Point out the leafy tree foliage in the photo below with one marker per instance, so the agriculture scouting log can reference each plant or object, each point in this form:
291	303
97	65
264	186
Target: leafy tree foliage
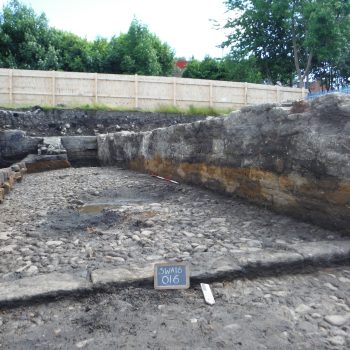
228	68
139	51
27	41
24	38
289	38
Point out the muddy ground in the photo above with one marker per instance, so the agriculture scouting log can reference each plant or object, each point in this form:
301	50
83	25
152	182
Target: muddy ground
77	220
306	311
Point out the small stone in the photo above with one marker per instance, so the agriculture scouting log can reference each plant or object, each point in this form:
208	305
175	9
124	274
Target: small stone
153	257
254	244
233	326
337	340
32	270
193	320
57	332
344	280
89	252
218	220
53	243
8	249
201	248
330	286
316	315
115	258
337	320
83	343
280	293
188	234
136	238
146	233
302	309
4	236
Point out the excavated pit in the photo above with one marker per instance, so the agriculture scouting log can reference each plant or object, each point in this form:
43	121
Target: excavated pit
78	219
45	230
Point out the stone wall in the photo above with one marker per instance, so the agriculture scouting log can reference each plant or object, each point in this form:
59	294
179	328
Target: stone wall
15	145
9	176
81	150
294	161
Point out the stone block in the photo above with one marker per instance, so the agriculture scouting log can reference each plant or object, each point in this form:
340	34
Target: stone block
2	194
41	287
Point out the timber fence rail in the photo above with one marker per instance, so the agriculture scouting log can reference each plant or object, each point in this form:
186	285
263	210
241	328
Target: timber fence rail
51	88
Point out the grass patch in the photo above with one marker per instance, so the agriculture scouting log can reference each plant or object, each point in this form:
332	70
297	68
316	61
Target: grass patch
191	110
88	107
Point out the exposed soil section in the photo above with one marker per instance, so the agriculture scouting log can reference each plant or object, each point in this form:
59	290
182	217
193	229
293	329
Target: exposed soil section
309	311
70	122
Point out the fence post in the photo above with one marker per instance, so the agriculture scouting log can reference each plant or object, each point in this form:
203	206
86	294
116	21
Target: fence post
11	86
95	88
53	88
136	91
211	94
278	96
245	94
302	93
174	92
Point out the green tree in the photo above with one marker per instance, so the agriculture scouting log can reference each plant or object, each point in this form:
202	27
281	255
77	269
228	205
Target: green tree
25	38
208	68
288	38
73	52
98	51
139	52
243	70
228	68
27	41
193	69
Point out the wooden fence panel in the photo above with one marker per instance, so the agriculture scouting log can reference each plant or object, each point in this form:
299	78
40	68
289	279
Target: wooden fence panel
27	87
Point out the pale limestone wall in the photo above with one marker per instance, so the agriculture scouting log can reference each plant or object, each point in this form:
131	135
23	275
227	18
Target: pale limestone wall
9	176
296	163
26	87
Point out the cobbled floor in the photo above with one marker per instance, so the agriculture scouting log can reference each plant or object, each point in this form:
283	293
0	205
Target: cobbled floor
293	312
77	220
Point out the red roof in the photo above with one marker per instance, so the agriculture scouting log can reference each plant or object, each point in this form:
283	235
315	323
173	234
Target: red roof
181	64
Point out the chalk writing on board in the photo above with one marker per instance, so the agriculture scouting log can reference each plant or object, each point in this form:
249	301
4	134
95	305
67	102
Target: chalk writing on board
171	275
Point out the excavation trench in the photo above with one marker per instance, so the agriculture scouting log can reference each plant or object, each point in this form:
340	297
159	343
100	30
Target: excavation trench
82	219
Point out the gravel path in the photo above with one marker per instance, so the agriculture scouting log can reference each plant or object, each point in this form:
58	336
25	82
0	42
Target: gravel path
77	220
307	311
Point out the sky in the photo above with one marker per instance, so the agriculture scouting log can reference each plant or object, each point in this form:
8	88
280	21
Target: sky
186	25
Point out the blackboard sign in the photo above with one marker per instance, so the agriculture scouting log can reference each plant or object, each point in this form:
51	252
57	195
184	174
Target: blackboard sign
172	275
